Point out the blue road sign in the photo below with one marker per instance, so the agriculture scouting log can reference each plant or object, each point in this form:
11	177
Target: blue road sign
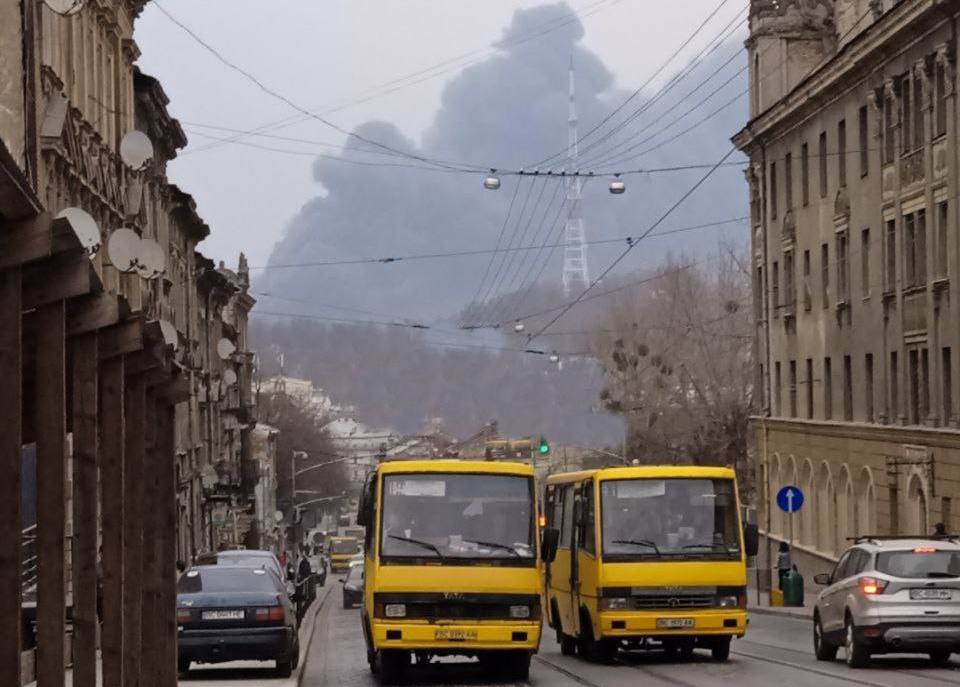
790	499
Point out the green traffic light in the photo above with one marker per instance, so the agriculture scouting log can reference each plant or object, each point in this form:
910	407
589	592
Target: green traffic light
544	447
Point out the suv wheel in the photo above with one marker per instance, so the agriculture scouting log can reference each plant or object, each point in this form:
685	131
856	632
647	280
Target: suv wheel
857	654
822	648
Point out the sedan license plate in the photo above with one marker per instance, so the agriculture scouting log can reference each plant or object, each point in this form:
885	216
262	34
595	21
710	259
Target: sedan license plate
455	635
222	615
674	623
930	594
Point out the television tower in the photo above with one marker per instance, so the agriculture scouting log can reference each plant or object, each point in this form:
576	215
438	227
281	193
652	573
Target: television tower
576	276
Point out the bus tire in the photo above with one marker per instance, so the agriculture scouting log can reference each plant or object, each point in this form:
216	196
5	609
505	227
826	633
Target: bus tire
720	649
568	644
517	665
393	666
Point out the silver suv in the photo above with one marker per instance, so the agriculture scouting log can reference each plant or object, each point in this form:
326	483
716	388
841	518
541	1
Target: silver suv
890	595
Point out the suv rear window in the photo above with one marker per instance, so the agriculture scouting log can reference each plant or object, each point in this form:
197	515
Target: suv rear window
223	579
919	564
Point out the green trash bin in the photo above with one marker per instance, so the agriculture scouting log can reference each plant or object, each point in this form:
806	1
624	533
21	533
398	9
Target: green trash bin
793	589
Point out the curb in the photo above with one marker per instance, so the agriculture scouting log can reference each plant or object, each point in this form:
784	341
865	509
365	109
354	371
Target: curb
782	613
310	631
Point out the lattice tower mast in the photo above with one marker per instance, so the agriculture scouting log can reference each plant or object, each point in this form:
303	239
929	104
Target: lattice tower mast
576	275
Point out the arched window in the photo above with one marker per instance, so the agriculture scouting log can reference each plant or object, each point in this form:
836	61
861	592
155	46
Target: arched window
755	88
826	506
916	510
808	514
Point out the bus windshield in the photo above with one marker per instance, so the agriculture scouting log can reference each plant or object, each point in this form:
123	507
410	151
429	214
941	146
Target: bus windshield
460	516
646	519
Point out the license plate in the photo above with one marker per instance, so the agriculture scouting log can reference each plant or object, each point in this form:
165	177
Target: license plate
930	594
222	615
455	635
674	623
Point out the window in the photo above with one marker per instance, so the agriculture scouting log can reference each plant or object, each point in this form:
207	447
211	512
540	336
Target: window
773	190
894	386
915	247
775	287
793	388
847	389
788	180
777	388
825	274
946	393
890	266
822	152
566	528
941	259
809	388
889	130
906	115
919	131
842	152
588	533
843	267
940	104
919	387
865	263
758	295
827	389
789	280
804	175
807	299
924	384
868	388
864	142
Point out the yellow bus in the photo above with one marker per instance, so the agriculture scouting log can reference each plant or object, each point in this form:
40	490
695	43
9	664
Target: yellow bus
646	557
340	550
452	565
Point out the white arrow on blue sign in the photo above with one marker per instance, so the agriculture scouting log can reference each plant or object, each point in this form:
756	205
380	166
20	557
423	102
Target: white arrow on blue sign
790	499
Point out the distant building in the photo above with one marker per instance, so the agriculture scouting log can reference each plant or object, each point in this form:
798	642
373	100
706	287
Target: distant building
853	192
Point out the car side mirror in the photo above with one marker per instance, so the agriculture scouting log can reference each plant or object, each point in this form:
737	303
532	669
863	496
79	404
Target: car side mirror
751	539
548	543
822	579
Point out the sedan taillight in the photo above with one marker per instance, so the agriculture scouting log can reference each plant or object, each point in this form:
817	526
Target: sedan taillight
184	615
871	585
269	614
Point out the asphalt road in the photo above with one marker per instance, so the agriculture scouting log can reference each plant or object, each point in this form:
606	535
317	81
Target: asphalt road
775	653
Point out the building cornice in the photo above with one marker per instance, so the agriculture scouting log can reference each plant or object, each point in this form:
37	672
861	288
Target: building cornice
946	437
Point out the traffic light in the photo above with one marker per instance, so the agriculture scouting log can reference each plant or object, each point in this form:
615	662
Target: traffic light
543	448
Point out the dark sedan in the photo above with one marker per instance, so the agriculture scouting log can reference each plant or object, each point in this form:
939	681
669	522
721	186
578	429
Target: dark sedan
353	587
232	613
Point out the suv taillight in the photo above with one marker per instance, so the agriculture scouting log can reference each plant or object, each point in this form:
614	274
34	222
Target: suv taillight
269	614
871	585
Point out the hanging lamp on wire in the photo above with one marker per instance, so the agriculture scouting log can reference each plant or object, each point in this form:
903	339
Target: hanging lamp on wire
492	182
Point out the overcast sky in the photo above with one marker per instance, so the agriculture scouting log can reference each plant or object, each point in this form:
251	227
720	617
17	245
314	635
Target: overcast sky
327	53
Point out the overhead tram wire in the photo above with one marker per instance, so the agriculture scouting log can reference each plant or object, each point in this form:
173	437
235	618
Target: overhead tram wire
561	153
569	306
432	71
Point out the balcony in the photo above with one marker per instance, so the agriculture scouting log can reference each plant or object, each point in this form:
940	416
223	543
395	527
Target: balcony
912	169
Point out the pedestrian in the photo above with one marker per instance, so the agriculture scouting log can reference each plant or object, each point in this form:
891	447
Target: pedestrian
939	530
783	563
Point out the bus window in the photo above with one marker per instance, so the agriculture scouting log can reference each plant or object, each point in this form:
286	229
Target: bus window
566	531
588	540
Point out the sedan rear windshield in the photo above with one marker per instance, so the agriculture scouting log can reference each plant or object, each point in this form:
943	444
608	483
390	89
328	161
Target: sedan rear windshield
222	579
919	564
246	561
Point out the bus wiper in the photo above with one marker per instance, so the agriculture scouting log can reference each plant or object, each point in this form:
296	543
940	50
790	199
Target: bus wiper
639	542
494	545
712	547
418	542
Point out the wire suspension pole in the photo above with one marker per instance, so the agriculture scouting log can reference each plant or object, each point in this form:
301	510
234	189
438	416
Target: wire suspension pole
576	276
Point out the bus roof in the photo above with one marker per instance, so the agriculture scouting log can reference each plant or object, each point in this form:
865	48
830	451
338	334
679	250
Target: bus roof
644	471
493	467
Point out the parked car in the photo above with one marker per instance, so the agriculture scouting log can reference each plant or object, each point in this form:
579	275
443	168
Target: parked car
233	613
249	558
356	559
890	595
353	587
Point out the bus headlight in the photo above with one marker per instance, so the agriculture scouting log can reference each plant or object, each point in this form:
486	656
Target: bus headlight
614	603
519	611
728	602
395	610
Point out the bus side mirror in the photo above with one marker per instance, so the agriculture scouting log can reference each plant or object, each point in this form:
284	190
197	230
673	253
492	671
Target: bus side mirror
548	544
751	539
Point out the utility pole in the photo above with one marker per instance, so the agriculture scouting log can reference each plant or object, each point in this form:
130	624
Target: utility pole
576	276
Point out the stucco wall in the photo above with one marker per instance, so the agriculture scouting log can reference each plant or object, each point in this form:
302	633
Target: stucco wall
11	79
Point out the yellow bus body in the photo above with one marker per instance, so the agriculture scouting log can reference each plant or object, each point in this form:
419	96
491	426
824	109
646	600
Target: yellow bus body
340	562
447	582
670	601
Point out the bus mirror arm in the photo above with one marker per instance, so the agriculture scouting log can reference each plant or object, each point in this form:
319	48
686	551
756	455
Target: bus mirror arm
751	539
550	538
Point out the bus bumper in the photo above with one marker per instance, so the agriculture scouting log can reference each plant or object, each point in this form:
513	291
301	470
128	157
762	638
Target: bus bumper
714	622
456	638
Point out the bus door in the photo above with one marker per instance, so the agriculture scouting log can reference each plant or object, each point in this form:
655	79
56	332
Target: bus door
575	560
587	572
562	573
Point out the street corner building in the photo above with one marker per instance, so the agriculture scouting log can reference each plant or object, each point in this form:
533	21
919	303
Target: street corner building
127	419
853	180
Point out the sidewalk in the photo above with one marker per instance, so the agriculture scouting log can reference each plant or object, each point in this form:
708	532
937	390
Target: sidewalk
764	607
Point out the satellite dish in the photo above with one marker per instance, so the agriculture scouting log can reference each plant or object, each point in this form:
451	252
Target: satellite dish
124	249
170	336
65	7
135	149
152	261
229	377
225	348
85	227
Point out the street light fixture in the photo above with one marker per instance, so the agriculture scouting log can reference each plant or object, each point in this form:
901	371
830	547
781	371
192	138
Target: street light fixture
617	186
492	181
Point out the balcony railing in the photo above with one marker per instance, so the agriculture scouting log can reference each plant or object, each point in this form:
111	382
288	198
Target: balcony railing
912	169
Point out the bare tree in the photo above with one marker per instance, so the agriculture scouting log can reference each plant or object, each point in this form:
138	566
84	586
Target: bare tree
678	359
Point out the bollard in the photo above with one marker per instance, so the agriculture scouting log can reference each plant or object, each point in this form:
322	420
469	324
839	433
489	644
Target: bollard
793	588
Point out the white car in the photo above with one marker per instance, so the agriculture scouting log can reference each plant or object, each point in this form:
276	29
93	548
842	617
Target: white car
356	560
